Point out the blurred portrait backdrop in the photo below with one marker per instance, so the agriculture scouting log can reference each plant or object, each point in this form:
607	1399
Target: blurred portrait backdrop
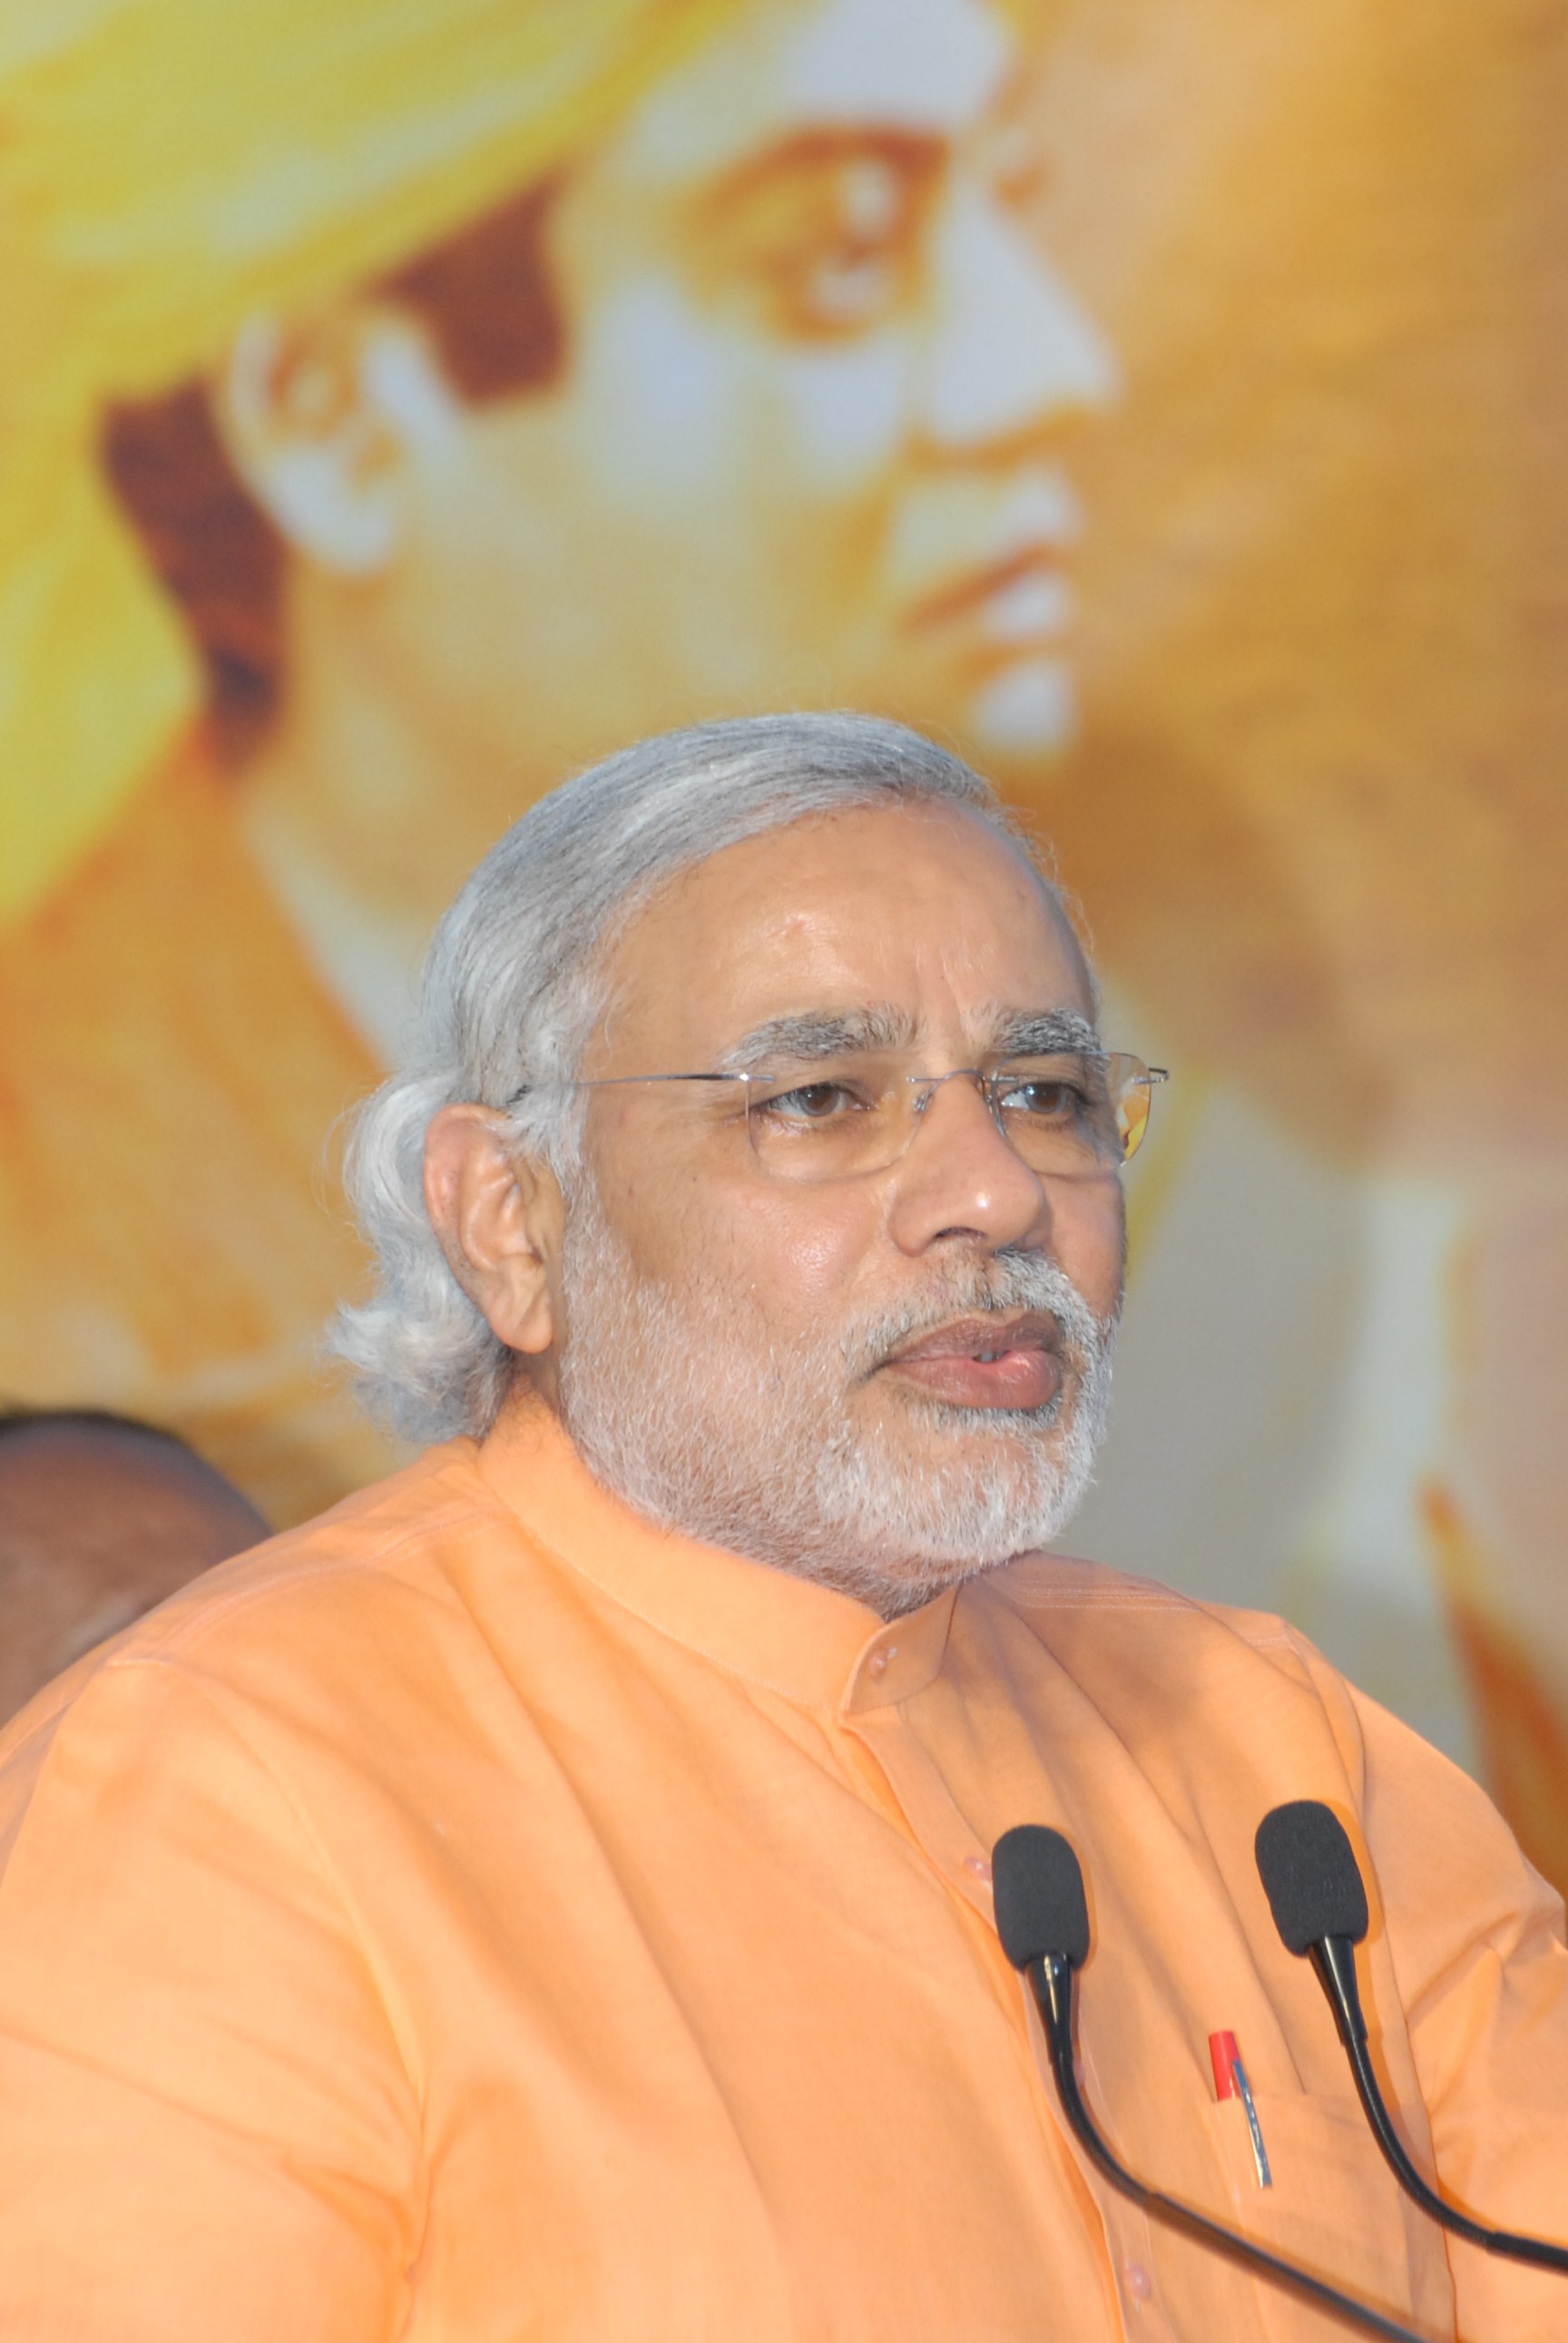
1165	402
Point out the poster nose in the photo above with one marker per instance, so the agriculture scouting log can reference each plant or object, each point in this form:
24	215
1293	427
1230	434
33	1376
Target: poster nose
1011	347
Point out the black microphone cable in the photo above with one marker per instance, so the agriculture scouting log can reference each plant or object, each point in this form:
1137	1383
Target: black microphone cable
1318	1901
1042	1919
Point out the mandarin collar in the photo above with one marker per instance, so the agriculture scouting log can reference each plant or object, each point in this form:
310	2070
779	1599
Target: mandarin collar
818	1648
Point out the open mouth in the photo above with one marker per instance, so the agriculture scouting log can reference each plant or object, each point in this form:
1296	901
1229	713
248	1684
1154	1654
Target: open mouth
1011	1362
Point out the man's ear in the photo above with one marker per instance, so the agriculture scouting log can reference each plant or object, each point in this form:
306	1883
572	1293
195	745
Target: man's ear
498	1215
324	418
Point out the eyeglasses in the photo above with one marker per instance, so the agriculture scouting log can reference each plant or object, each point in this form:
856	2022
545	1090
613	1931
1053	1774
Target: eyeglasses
1067	1116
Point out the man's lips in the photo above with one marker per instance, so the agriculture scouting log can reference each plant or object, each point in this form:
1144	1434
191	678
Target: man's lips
1002	1362
1022	597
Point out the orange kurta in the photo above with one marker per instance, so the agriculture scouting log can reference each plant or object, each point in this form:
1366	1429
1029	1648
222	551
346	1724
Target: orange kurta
478	1916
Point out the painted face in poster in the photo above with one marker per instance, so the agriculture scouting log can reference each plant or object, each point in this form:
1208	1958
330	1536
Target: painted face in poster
803	434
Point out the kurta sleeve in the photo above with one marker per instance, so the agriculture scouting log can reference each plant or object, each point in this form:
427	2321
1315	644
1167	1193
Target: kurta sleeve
207	2128
1477	1941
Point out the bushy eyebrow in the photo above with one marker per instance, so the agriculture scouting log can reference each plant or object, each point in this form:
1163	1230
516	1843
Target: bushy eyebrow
1047	1035
812	1036
825	1034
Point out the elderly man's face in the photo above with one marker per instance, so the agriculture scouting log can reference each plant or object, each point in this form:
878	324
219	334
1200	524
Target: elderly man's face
810	442
884	1379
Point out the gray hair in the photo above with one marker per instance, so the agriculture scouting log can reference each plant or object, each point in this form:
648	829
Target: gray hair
514	986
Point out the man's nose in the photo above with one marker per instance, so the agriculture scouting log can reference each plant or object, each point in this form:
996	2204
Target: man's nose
959	1178
1011	349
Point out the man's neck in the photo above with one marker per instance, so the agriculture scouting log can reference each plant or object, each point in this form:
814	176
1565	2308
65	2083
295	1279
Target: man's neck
369	962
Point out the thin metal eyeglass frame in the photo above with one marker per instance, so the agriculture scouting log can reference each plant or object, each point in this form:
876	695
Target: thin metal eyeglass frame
1149	1078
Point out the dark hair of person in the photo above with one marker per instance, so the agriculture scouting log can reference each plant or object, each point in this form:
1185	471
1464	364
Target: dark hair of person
485	297
16	1416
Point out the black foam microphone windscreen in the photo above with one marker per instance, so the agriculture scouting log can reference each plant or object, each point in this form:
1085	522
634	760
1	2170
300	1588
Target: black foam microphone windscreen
1311	1875
1039	1893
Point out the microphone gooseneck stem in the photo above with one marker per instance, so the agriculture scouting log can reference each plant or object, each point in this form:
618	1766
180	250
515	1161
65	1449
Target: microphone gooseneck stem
1333	1957
1051	1980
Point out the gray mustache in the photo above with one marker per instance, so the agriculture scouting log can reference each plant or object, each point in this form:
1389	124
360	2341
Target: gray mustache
980	1289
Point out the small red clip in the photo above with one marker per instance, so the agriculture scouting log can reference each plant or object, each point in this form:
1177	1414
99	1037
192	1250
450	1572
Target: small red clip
1224	2058
1230	2083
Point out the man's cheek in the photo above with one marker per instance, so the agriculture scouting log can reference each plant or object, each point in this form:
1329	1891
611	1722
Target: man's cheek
661	412
1088	1243
798	1260
845	410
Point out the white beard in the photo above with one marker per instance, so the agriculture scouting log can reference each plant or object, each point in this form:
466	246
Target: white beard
679	1409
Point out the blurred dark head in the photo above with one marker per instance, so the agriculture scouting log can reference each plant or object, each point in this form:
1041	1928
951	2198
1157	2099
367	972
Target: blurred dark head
101	1517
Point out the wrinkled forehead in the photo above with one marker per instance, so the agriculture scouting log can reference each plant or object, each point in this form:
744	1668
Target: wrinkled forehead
923	929
788	68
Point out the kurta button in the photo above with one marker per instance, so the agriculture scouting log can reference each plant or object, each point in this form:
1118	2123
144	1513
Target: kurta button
1139	2284
978	1865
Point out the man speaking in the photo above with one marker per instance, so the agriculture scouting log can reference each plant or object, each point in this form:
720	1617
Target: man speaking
548	1895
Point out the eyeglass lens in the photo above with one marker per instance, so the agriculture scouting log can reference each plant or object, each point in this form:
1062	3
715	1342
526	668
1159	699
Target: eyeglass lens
831	1119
